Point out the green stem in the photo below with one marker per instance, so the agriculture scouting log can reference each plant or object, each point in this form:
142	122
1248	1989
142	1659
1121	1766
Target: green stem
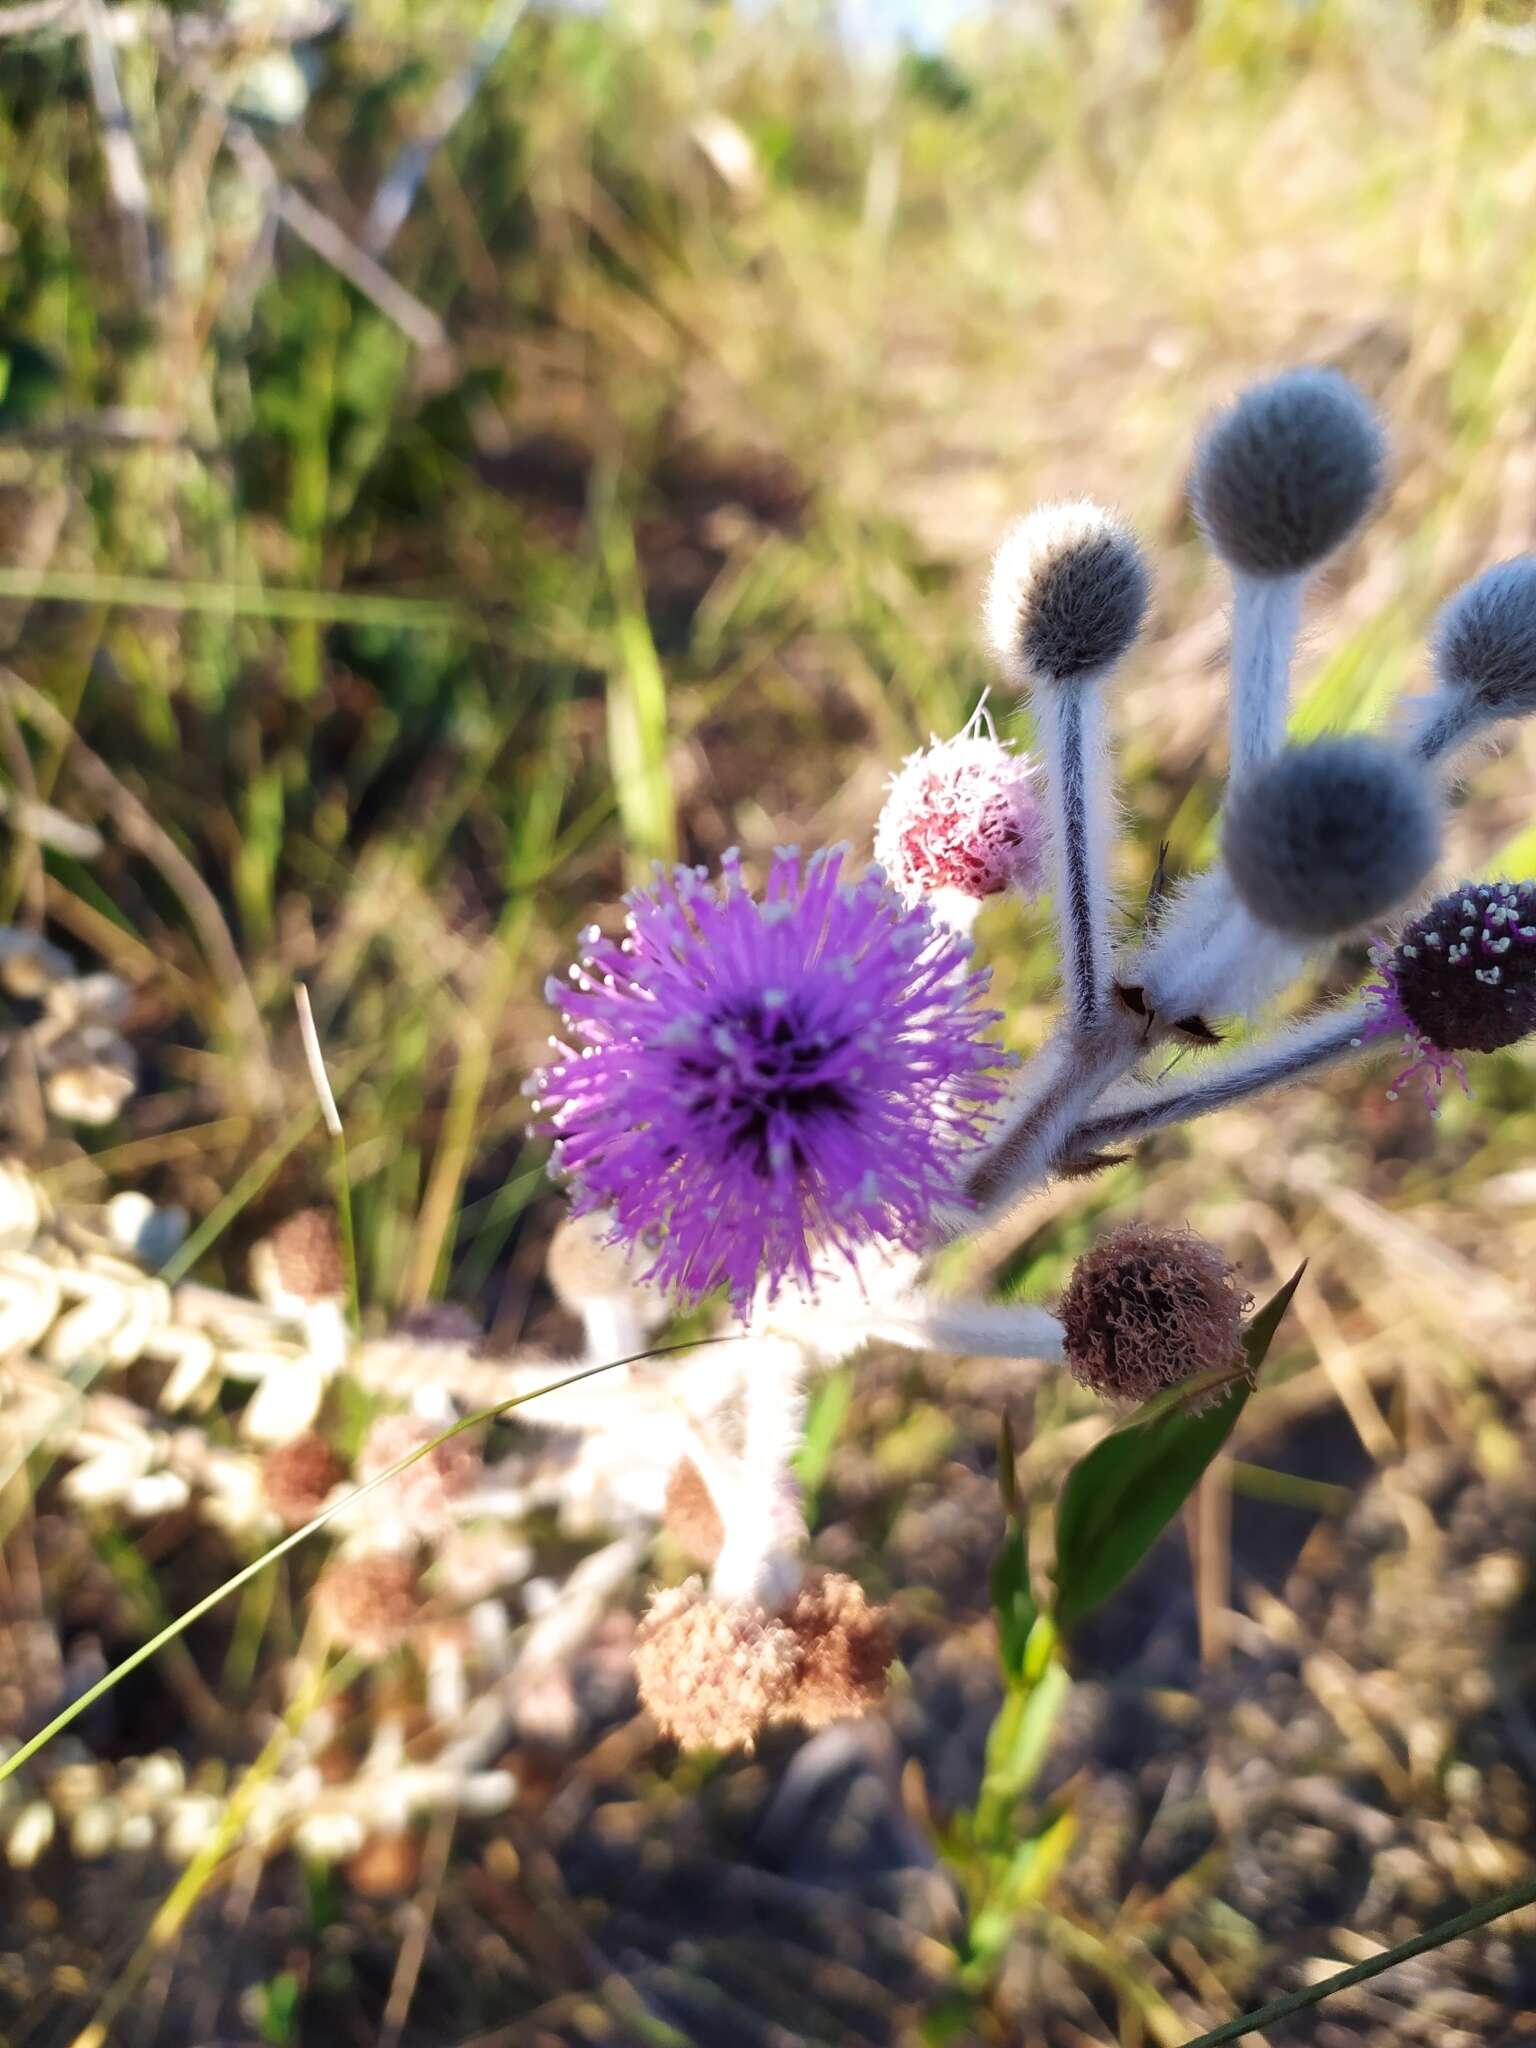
1361	1973
1022	1732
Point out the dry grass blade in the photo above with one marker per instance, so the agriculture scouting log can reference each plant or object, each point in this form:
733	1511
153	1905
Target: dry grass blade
417	322
119	148
139	829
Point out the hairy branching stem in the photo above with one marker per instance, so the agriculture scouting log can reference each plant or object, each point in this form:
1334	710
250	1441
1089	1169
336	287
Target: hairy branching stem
754	1566
1320	1042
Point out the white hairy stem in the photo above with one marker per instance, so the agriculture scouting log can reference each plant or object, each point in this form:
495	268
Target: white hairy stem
1301	1049
755	1566
953	909
985	1329
613	1328
1266	614
1438	726
1057	1090
1072	728
1211	958
326	1336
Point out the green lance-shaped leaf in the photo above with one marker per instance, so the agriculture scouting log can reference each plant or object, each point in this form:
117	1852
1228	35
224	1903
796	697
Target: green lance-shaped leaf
1119	1499
1012	1602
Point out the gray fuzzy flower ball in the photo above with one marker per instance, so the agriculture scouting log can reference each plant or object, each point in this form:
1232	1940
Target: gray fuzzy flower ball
1287	472
1485	638
1326	836
1067	595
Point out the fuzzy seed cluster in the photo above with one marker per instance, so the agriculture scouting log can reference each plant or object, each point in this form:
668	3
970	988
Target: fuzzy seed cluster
297	1477
1067	595
1147	1309
962	814
1324	837
1285	475
713	1675
425	1492
1485	638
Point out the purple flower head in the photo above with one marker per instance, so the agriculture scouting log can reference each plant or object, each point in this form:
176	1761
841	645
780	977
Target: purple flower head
751	1081
962	814
1462	978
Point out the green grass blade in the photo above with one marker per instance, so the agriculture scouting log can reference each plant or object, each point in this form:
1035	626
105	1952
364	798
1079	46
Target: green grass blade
1512	1901
637	710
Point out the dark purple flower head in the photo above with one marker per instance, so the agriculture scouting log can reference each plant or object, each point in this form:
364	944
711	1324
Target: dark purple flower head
752	1081
1462	978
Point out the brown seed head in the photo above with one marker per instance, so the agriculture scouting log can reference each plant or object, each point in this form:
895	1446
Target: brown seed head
369	1603
689	1513
301	1257
711	1675
1147	1309
423	1492
297	1477
845	1646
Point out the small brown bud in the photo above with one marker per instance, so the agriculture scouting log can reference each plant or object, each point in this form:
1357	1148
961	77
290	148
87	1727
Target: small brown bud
300	1260
297	1477
369	1603
1148	1309
386	1866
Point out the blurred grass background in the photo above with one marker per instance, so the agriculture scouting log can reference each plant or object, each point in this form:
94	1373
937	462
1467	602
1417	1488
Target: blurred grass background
636	501
386	594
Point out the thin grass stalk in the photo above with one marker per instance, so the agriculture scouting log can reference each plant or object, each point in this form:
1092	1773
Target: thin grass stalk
1513	1901
244	1191
245	601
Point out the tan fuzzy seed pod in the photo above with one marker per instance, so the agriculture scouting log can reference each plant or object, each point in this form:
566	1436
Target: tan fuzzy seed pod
845	1647
297	1477
711	1675
689	1513
370	1603
300	1260
1148	1309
